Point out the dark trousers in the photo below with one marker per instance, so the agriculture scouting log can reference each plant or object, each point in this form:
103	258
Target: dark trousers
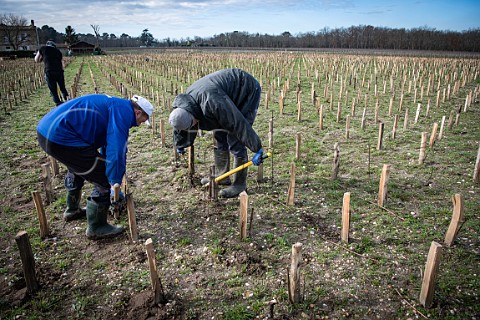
53	78
83	163
225	141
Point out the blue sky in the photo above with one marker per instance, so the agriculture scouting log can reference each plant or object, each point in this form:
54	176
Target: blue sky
183	19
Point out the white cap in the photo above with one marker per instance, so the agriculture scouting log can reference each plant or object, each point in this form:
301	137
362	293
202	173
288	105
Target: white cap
145	105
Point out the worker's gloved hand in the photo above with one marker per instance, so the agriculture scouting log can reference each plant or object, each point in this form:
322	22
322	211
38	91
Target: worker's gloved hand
257	158
181	150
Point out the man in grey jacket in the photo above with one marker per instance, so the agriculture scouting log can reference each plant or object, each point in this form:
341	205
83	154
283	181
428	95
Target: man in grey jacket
226	102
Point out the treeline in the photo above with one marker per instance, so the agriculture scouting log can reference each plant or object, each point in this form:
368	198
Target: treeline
355	37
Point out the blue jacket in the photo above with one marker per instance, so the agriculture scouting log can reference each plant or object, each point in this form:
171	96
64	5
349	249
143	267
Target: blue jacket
93	120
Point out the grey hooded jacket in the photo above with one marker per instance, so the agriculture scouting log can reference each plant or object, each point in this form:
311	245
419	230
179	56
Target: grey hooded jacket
221	100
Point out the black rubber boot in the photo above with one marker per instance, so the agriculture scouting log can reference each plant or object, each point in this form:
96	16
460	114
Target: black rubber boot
222	165
73	211
239	181
98	228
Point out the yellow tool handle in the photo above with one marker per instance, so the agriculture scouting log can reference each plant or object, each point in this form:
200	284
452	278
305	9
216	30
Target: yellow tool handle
239	168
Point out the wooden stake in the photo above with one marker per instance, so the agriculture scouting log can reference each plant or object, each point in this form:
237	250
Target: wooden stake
243	215
28	261
212	186
442	127
458	219
42	219
362	126
47	182
405	119
320	119
345	216
381	127
395	126
191	160
162	132
260	173
423	147
116	197
347	127
382	190
476	171
154	278
433	134
132	220
298	144
294	289
430	275
54	165
418	113
336	161
291	187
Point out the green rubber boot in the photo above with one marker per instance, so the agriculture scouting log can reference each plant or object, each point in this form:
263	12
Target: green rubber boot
73	211
98	228
239	181
222	165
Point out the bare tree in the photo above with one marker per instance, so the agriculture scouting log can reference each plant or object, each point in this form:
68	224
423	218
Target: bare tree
13	28
96	30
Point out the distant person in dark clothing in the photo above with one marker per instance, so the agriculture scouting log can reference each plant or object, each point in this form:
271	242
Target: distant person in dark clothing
52	57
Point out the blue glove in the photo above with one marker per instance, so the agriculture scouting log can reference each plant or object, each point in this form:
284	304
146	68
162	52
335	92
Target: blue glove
257	158
181	150
121	196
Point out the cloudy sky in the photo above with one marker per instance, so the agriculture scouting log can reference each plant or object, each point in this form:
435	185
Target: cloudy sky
181	19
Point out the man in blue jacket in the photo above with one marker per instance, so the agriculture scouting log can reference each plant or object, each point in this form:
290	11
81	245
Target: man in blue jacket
226	102
74	132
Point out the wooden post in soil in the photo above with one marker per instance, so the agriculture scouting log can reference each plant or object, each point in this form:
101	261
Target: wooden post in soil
132	220
320	117
442	128
362	126
260	173
339	111
382	190
298	145
405	120
433	135
423	147
417	115
212	186
476	170
336	161
154	278
191	160
430	274
54	165
299	108
162	132
450	120
291	186
28	261
458	219
243	214
42	219
47	182
395	126
116	197
345	216
294	288
381	127
347	127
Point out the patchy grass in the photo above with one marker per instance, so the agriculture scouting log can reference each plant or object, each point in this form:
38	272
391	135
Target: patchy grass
206	271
